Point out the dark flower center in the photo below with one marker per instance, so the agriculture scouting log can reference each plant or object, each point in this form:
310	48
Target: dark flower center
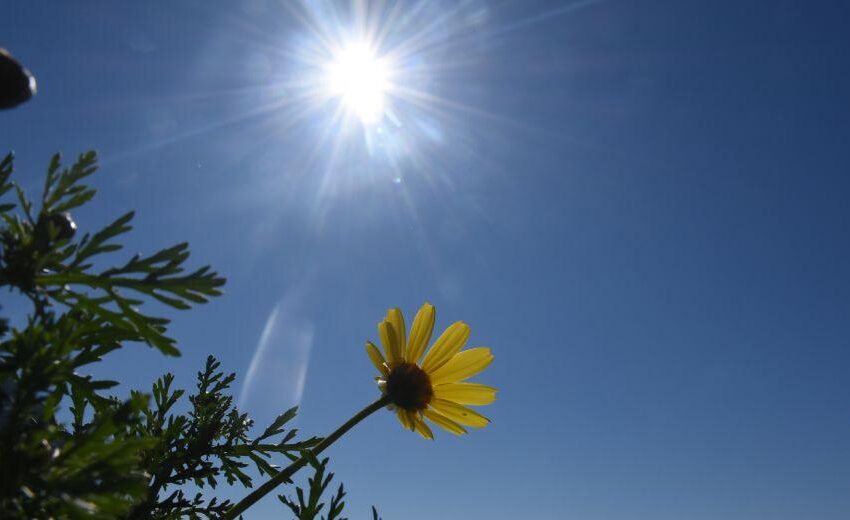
409	387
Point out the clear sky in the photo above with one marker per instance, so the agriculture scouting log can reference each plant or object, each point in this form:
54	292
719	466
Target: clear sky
641	206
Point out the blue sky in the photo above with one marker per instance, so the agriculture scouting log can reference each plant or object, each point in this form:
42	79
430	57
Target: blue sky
640	206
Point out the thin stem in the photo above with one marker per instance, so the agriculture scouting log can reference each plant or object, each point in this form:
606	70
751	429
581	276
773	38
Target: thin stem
290	470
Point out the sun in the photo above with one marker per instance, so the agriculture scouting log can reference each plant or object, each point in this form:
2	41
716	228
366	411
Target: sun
360	79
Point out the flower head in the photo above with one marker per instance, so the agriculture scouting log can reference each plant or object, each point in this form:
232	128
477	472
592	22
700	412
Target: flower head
435	388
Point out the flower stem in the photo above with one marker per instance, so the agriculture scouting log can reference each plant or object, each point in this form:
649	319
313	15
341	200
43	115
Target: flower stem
290	470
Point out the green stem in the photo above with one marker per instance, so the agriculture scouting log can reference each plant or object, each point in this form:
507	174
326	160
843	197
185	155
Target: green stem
290	470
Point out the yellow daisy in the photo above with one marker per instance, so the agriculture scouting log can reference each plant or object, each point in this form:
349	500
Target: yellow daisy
434	389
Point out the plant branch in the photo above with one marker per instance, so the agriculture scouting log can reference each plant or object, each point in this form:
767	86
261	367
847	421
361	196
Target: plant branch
290	470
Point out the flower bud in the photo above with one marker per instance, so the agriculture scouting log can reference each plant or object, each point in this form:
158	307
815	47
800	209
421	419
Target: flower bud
17	85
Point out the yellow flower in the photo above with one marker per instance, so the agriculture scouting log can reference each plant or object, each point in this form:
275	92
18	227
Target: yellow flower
433	389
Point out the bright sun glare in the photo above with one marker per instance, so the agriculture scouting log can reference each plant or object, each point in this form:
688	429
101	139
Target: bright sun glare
360	78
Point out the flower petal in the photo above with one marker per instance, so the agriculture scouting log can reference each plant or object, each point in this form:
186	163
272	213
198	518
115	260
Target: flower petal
444	422
447	345
420	333
466	393
459	413
377	358
404	419
462	366
396	319
390	342
423	429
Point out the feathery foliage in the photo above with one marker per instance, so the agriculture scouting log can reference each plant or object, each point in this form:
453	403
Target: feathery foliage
68	448
309	508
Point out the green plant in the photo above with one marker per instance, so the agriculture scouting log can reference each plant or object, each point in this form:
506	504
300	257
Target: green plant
68	448
310	507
